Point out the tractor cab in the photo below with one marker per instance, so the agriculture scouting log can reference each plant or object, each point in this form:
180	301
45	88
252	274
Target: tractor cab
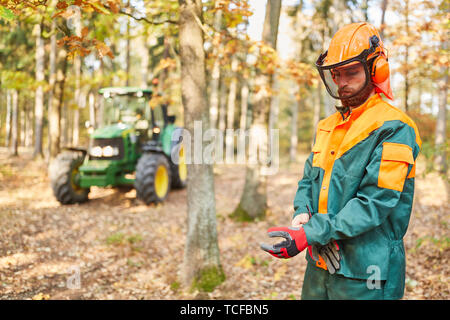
131	106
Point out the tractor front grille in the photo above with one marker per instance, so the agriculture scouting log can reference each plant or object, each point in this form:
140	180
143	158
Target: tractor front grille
113	142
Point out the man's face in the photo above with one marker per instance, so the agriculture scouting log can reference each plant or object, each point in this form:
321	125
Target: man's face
349	79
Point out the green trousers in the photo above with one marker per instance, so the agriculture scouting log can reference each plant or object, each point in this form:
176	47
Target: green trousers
319	284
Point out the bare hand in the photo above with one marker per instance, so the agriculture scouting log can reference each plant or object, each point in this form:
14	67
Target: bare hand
300	219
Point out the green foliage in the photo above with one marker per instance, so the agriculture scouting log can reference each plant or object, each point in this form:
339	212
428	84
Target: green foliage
6	14
120	238
115	239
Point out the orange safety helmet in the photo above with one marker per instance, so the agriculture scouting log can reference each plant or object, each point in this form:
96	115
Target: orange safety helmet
356	43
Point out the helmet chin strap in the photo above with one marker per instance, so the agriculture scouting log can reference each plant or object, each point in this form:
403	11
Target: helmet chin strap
343	110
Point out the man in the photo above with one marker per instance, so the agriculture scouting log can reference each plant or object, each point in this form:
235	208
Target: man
353	204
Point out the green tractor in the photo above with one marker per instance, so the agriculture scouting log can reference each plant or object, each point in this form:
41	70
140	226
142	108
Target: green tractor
138	146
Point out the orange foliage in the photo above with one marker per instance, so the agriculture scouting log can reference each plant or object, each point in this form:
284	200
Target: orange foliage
426	124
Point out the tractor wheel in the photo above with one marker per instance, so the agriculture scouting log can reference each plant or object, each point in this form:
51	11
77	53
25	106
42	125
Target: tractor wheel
63	173
152	178
179	171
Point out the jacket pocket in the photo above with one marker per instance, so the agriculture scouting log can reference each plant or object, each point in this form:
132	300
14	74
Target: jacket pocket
395	159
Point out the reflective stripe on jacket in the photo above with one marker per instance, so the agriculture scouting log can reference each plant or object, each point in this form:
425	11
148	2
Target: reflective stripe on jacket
358	183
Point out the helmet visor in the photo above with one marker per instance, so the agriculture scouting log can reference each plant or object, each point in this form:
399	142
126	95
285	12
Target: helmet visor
346	79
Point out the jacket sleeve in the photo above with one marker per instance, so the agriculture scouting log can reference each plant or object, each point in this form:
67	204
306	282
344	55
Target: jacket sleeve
303	196
379	191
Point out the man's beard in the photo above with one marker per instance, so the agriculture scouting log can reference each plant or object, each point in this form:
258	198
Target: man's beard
360	98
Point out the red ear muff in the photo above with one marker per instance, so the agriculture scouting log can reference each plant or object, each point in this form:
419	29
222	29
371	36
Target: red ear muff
380	69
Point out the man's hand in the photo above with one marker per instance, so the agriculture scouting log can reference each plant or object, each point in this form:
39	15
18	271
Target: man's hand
294	244
329	253
300	219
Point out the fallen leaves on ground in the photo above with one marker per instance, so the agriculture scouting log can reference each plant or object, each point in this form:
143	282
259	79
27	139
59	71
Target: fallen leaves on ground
115	247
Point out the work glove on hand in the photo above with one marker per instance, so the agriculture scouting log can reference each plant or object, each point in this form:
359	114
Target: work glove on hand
294	244
329	253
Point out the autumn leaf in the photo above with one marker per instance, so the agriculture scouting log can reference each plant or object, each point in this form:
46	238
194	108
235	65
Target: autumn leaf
104	50
84	32
97	6
41	296
113	6
61	5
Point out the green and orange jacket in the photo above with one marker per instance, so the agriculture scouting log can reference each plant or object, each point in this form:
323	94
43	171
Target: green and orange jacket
358	183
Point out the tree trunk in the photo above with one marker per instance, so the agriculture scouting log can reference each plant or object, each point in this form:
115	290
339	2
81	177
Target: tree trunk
52	120
201	265
222	104
8	118
274	103
55	125
39	97
29	127
15	123
253	202
384	5
316	112
92	108
441	126
294	133
244	104
231	106
145	60
406	74
215	75
23	125
77	95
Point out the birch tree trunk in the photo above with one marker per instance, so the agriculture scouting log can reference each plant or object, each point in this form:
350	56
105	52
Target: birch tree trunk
39	97
253	202
231	105
15	123
441	127
215	75
274	103
8	118
77	95
92	108
316	112
384	5
145	60
52	121
56	105
294	133
201	265
29	127
406	74
244	104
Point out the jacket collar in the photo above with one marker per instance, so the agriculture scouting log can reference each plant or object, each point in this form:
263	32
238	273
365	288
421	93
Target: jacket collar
336	119
355	113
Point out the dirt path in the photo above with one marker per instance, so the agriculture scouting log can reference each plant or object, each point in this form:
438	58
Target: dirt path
114	247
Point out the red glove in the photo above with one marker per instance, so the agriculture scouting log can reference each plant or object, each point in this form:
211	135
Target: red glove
294	244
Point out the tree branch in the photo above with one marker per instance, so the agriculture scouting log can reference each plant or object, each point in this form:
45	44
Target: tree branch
145	19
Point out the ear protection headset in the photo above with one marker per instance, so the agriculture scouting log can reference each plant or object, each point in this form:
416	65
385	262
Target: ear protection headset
380	65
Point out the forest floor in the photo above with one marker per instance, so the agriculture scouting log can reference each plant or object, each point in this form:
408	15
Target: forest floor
115	247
